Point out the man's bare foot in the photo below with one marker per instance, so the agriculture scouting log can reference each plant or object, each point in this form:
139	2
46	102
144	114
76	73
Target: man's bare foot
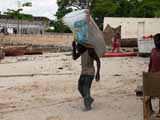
88	108
158	115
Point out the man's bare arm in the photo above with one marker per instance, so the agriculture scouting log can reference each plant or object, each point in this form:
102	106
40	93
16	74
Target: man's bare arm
150	65
75	55
78	50
98	68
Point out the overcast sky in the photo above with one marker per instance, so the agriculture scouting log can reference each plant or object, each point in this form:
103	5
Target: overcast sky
46	8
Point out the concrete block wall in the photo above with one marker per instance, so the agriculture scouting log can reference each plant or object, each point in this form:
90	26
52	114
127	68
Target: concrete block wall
44	39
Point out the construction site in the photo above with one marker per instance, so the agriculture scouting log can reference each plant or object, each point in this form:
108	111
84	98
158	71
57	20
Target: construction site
88	63
43	85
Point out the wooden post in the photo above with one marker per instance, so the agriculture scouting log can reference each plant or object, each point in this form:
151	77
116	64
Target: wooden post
151	87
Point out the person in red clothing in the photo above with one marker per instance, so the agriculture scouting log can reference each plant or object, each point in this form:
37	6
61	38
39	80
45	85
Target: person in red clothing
116	43
154	64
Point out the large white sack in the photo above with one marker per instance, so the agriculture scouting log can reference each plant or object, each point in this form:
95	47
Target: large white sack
85	30
70	18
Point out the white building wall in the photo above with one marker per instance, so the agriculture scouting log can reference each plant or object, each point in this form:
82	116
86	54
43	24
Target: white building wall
134	27
31	26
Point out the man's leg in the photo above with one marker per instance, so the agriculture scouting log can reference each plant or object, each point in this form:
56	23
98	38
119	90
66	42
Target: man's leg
86	90
90	84
80	85
150	105
118	48
113	48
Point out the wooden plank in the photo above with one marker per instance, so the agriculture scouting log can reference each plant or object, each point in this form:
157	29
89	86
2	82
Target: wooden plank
154	117
151	87
151	84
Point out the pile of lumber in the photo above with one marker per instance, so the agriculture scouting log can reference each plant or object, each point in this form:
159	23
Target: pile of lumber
130	42
14	51
2	53
20	50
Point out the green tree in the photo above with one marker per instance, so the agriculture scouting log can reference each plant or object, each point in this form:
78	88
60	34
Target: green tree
144	8
16	14
123	8
63	8
101	8
112	8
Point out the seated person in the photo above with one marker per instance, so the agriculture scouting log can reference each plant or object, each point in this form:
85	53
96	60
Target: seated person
154	65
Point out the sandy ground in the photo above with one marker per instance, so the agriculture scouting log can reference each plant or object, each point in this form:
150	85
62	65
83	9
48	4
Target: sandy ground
44	87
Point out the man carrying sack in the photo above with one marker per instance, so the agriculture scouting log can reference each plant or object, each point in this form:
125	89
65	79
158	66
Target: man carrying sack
89	44
88	55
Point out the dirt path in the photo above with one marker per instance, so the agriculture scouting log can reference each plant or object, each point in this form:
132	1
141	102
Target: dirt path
45	88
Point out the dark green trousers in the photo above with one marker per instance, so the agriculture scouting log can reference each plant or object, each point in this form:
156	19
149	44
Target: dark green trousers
84	85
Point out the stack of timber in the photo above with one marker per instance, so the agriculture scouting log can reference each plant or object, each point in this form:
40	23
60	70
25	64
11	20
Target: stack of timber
21	50
2	54
129	42
14	51
33	51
